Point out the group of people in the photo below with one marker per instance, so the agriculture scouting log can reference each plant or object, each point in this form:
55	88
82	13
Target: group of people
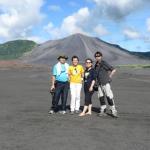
95	77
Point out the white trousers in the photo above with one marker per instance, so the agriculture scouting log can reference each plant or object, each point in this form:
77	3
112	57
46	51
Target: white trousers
75	89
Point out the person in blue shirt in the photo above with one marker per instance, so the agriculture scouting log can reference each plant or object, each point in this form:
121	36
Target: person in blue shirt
60	84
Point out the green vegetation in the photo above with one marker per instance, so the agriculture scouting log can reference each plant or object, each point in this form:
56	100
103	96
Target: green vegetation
15	49
136	66
145	55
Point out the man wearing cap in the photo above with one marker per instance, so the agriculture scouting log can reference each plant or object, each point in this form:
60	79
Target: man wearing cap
104	75
60	84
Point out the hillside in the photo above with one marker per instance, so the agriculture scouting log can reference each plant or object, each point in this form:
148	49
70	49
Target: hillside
15	49
82	46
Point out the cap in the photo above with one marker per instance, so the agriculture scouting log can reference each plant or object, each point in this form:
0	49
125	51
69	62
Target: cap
62	56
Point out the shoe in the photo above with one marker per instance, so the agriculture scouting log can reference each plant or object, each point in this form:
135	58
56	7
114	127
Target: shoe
77	111
102	114
114	114
62	112
51	112
72	112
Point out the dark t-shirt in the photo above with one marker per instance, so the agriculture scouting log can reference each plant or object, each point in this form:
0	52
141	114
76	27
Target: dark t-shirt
102	71
89	76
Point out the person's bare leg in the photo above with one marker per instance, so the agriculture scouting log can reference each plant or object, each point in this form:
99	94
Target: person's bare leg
89	110
84	111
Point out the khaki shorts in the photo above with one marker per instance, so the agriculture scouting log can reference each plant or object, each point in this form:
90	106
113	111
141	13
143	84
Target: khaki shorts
105	90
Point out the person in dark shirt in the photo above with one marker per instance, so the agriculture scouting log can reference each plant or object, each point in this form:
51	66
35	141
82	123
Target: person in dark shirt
104	73
89	81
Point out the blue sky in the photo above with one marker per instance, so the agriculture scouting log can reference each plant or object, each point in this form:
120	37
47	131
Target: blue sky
125	22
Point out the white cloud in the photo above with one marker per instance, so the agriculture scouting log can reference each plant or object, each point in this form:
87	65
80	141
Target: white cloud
131	33
70	25
54	32
79	22
54	8
36	39
100	30
75	22
86	20
17	18
118	9
148	24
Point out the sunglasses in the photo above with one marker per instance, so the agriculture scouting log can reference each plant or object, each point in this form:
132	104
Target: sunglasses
88	62
97	56
75	70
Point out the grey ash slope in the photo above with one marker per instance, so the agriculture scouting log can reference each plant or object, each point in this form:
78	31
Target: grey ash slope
82	46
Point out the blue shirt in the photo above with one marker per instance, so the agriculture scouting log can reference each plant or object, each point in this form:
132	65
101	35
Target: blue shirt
63	77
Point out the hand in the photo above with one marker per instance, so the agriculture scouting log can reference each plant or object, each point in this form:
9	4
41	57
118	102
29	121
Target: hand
91	89
52	88
110	76
110	79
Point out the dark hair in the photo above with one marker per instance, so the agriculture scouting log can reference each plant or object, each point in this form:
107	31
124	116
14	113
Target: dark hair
89	60
62	56
75	57
98	53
